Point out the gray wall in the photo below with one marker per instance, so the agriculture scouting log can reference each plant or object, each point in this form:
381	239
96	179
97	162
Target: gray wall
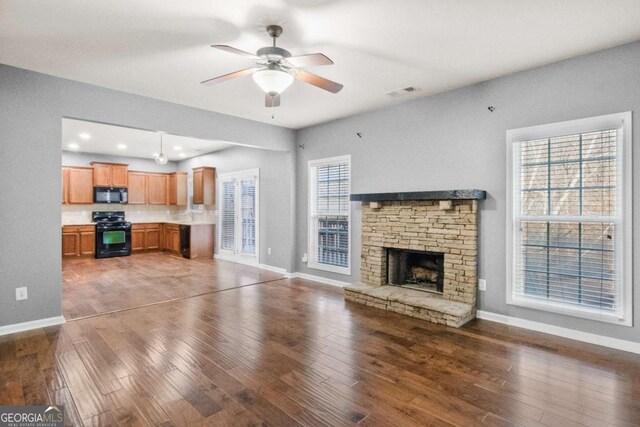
71	158
33	106
452	141
276	174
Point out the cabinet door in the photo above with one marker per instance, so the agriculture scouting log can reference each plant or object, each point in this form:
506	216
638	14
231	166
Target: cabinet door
87	242
137	188
70	244
80	186
118	175
173	189
175	247
157	189
101	175
152	239
65	184
198	187
137	238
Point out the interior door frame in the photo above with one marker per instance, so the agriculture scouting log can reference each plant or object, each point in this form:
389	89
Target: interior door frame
238	256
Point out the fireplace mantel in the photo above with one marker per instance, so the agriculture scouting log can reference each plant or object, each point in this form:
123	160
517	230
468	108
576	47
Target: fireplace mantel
420	195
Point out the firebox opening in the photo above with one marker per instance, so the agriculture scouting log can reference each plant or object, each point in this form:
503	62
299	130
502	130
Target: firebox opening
415	269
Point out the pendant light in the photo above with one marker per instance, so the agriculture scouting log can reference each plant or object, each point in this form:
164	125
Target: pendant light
161	159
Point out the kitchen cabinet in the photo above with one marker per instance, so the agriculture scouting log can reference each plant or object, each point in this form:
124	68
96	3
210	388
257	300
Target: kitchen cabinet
178	188
204	179
77	185
145	237
201	238
172	238
78	240
109	174
137	188
157	188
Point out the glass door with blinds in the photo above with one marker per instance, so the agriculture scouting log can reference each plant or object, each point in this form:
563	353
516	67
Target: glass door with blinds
238	214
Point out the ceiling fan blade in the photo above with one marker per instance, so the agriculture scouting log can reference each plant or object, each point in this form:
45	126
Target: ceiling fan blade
308	60
233	50
271	101
318	81
230	76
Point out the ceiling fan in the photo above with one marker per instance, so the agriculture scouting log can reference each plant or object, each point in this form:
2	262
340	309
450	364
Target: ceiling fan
276	69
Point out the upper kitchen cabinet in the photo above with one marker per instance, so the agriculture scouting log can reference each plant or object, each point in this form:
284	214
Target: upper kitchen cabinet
137	188
77	185
177	188
109	174
157	184
204	179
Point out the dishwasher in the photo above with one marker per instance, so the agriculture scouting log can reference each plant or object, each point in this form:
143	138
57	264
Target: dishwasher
185	241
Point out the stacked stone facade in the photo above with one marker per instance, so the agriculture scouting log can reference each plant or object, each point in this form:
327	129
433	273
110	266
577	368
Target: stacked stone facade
424	226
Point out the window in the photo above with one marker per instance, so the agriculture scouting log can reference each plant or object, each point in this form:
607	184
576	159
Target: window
330	214
238	234
569	232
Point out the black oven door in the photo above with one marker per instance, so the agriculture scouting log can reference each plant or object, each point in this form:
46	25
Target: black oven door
113	241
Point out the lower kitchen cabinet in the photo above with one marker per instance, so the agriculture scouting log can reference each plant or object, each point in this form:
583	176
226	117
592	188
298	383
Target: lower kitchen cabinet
172	238
145	237
78	240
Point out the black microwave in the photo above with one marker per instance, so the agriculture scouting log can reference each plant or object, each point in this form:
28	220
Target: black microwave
110	195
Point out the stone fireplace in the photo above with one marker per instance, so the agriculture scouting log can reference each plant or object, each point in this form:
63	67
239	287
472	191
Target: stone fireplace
419	254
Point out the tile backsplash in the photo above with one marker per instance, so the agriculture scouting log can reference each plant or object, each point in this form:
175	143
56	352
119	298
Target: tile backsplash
81	214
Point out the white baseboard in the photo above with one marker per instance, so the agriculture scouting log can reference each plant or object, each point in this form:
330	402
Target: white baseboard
320	279
587	337
280	270
250	262
33	324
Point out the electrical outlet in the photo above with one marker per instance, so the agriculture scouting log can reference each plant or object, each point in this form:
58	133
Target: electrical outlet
21	294
304	258
268	251
482	284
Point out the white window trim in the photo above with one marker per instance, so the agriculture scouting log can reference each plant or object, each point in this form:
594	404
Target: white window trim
310	221
623	122
228	255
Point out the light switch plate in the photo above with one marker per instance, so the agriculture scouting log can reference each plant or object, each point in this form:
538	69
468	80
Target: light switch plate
482	284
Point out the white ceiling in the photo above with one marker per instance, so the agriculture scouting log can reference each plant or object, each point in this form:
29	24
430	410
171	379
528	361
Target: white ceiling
161	49
89	137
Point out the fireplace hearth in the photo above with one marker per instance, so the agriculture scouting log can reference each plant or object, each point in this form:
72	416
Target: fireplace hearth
417	242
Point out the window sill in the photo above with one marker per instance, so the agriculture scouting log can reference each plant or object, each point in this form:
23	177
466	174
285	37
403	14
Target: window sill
559	308
331	268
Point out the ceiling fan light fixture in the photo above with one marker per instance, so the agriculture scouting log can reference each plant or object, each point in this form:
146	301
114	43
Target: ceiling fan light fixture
273	81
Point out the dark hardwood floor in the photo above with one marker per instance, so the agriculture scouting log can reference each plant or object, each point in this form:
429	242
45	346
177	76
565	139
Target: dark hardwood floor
94	286
292	352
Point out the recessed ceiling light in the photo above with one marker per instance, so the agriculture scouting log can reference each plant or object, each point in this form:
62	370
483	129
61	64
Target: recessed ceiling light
73	145
177	147
183	155
84	135
121	147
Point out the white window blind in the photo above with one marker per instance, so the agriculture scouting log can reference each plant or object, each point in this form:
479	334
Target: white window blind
248	214
568	222
227	216
330	216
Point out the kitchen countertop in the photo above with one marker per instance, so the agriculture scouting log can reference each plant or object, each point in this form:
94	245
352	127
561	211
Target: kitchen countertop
184	222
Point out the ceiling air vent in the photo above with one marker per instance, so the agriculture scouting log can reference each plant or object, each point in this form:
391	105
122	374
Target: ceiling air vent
401	92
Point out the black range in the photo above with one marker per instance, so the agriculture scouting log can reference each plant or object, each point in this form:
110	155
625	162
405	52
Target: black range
113	234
